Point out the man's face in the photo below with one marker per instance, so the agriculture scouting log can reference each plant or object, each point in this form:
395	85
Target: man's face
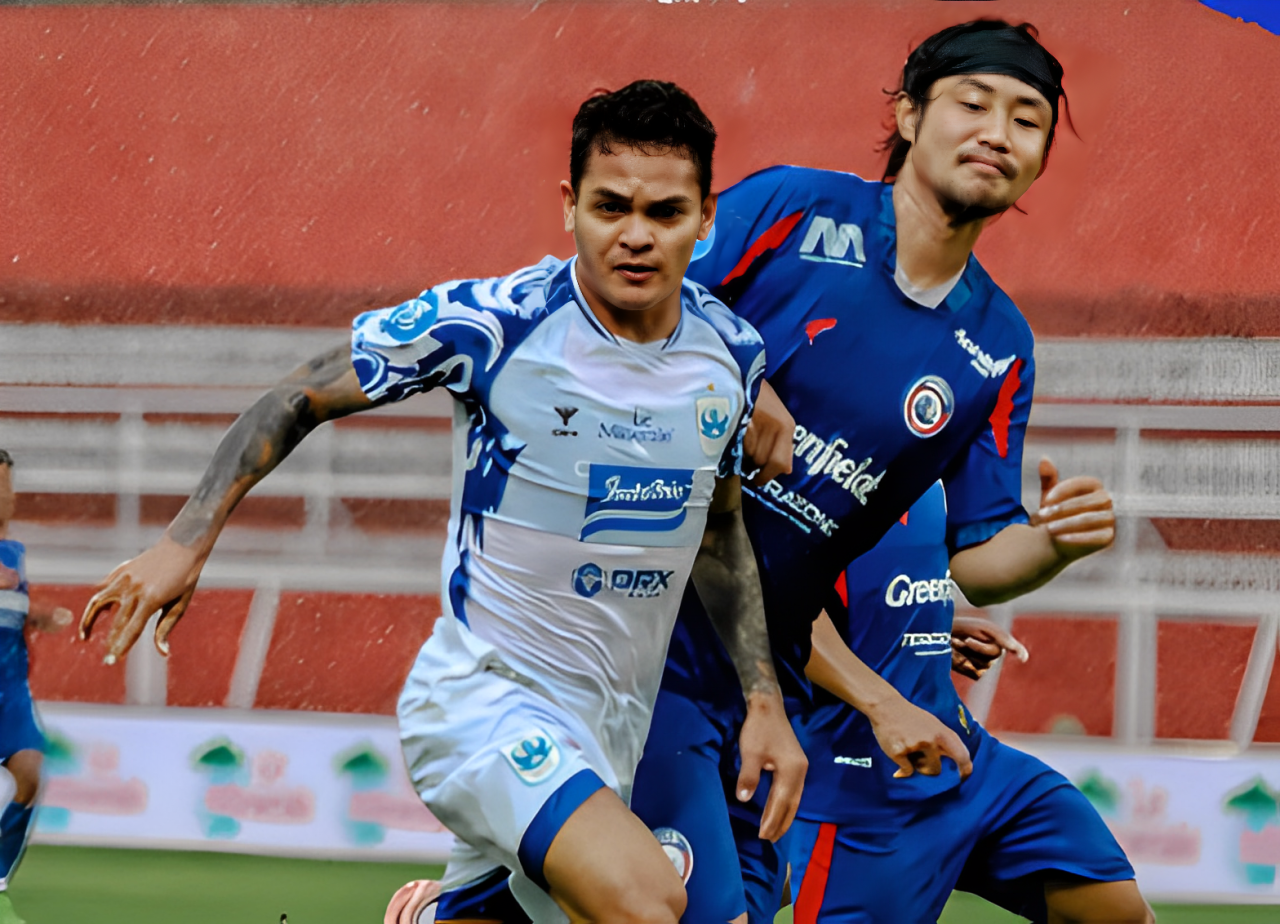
981	142
6	493
636	218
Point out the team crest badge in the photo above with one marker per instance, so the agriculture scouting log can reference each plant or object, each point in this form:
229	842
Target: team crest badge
678	850
412	319
929	406
713	423
534	757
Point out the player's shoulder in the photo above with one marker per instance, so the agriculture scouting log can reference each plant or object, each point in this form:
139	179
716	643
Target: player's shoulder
522	296
799	183
742	340
1000	310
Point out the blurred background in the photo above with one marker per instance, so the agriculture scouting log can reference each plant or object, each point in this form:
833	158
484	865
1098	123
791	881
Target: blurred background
198	197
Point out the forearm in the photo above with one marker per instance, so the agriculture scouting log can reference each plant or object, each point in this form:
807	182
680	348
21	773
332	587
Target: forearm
728	582
835	668
261	438
1015	561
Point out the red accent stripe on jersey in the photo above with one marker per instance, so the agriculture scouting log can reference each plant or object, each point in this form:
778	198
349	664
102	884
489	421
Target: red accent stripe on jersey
1004	409
842	589
903	519
770	240
814	886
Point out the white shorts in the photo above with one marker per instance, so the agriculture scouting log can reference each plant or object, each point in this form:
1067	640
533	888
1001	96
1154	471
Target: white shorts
498	761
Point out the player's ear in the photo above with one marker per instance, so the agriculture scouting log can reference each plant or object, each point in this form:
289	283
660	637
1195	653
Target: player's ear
904	112
569	200
708	216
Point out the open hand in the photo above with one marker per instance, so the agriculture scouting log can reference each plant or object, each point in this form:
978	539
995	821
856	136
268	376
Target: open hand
1077	512
162	578
977	643
767	742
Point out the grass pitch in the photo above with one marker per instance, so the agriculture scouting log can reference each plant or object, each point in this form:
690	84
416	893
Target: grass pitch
57	885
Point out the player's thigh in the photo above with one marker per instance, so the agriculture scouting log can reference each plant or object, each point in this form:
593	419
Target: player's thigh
25	768
605	865
763	863
1084	902
1039	829
678	793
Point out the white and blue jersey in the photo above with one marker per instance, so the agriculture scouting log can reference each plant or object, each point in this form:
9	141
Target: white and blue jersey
889	397
584	467
15	603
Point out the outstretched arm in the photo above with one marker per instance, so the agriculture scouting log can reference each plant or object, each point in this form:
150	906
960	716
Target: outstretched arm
164	576
1075	519
728	582
912	738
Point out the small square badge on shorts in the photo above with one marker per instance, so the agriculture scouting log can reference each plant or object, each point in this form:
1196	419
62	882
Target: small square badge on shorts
534	756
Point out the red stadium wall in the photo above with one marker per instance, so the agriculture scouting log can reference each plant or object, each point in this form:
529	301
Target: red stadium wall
282	165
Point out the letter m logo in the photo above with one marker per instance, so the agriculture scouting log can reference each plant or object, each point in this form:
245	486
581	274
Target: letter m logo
836	240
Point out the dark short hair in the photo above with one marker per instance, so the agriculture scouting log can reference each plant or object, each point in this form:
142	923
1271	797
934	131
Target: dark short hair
951	52
644	114
6	459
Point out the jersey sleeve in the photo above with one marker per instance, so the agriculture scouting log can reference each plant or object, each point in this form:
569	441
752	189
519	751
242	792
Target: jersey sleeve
752	220
734	460
984	491
451	335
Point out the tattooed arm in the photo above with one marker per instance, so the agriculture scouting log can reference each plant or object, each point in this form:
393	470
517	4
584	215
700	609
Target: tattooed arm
164	576
728	582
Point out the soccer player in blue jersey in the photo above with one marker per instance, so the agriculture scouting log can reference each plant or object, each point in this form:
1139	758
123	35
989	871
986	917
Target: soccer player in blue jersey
903	364
601	405
21	742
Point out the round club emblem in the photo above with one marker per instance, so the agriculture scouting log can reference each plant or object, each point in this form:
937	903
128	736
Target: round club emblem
929	406
678	850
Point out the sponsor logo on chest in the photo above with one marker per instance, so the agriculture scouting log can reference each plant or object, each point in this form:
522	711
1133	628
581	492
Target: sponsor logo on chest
590	579
640	430
826	457
636	499
903	591
828	242
853	761
982	361
714	415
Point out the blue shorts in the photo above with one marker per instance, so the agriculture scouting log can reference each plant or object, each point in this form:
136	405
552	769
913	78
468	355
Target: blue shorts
1013	825
19	728
679	785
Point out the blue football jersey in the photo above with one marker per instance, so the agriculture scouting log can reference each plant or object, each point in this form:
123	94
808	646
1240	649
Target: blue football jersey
893	607
889	396
14	606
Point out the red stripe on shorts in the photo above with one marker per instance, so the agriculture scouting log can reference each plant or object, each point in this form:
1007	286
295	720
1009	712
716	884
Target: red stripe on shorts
814	886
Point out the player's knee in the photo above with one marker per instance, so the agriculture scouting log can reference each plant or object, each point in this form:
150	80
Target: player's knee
651	905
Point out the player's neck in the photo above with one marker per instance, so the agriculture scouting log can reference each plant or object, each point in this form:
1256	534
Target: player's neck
639	325
4	529
931	247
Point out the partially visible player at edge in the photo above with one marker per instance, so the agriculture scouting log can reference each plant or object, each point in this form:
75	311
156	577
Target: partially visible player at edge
21	741
600	407
903	364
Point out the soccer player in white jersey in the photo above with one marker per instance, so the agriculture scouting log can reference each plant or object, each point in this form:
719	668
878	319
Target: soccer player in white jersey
601	405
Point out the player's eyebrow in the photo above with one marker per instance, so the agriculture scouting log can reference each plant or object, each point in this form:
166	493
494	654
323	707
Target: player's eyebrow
604	192
1033	101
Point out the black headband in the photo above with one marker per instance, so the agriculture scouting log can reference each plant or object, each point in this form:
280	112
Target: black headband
998	51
